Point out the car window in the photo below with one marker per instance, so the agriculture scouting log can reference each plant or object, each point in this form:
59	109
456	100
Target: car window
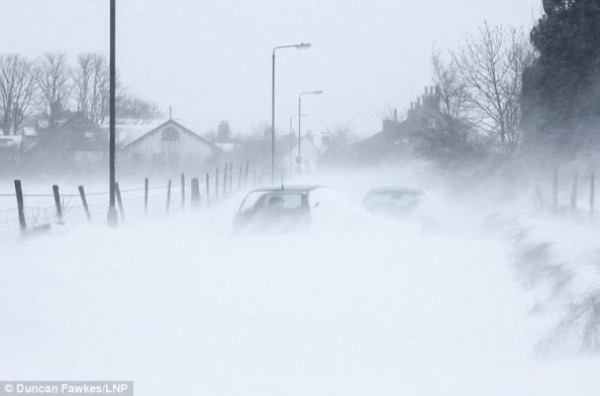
273	200
281	201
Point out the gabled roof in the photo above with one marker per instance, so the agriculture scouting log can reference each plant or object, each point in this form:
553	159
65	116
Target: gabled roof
179	126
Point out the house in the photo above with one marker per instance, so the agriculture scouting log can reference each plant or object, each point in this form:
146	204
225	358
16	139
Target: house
70	141
10	146
311	151
253	148
168	147
398	139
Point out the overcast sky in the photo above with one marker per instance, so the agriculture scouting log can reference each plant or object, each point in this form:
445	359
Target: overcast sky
211	60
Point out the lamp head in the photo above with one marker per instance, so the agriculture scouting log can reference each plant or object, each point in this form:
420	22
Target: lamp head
303	46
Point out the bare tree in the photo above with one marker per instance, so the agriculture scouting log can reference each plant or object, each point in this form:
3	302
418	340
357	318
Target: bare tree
18	78
339	137
54	81
491	66
92	86
452	92
133	108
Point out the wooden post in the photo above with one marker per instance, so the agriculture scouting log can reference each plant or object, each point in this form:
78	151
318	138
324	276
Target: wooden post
231	178
207	188
195	192
20	205
217	185
241	173
592	194
225	180
146	187
85	204
183	191
119	201
246	175
169	196
555	191
574	193
57	203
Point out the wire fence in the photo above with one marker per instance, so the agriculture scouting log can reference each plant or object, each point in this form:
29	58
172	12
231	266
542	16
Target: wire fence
40	210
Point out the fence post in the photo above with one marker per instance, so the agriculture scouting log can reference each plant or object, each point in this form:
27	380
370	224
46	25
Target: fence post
592	194
207	188
231	169
195	192
85	204
217	185
241	173
169	196
119	201
20	205
57	203
246	175
574	193
183	191
555	191
146	185
225	180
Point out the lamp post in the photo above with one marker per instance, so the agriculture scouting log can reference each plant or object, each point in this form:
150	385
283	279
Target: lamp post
112	217
292	139
298	47
299	159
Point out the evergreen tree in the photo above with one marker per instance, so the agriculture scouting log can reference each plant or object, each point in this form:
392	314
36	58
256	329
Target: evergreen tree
561	91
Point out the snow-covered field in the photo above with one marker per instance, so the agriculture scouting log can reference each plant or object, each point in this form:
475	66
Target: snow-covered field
360	306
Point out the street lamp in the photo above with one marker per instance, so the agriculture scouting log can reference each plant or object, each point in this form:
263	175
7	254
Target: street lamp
298	47
299	159
292	139
112	217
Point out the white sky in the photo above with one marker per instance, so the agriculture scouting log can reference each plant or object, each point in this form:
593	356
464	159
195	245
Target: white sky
211	60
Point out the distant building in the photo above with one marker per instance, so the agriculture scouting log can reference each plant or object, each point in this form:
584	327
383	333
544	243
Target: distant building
10	147
71	140
169	147
398	138
311	150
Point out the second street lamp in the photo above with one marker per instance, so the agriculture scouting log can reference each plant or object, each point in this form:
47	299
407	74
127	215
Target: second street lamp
298	47
299	159
292	140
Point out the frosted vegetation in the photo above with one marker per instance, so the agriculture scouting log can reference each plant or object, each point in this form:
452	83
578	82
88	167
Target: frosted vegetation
498	298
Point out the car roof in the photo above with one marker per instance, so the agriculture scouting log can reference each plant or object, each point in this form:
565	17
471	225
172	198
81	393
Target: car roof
286	189
403	190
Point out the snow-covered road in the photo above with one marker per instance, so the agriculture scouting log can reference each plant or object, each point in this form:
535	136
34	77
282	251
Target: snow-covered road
366	308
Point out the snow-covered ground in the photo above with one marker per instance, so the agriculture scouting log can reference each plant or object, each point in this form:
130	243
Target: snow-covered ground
360	306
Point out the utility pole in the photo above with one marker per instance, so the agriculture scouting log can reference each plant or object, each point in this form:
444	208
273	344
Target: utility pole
113	217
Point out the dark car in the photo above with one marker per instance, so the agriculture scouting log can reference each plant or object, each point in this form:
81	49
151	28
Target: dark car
273	210
405	205
396	202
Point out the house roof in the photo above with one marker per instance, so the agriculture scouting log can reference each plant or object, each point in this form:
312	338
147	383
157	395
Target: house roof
160	127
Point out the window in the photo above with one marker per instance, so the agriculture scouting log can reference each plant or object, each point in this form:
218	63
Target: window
170	135
174	159
158	159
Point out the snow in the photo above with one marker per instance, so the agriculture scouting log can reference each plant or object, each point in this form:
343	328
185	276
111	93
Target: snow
361	305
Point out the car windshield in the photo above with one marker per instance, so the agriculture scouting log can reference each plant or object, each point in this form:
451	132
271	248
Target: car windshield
273	200
394	197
